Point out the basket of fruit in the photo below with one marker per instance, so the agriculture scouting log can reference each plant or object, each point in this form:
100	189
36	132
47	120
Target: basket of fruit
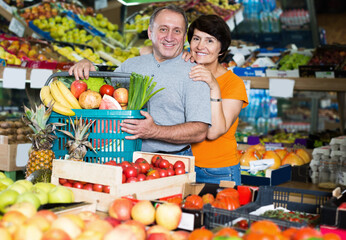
91	111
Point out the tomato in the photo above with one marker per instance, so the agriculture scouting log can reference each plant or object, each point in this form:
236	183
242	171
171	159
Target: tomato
154	173
179	171
170	172
106	188
123	178
113	163
306	233
157	163
137	167
98	187
163	173
179	164
150	177
77	185
132	180
155	158
125	164
141	177
130	172
195	200
170	166
141	160
88	187
144	167
70	181
243	224
163	164
107	89
62	181
67	184
201	234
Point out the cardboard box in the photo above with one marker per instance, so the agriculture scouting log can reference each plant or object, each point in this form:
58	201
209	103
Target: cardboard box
13	157
112	176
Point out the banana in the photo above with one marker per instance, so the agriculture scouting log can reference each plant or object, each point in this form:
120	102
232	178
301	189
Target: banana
58	95
47	98
68	95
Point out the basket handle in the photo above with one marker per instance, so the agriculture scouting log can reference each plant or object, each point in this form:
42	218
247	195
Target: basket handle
91	74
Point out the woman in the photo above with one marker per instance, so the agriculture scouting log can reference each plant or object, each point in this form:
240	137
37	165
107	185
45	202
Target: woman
216	158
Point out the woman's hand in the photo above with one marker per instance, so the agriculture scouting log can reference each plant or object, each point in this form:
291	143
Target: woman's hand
187	56
201	73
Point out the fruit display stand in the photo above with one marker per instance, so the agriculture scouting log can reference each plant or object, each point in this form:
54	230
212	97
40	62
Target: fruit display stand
112	176
9	156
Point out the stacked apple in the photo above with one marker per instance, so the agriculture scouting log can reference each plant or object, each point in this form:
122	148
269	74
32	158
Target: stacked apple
132	219
123	55
42	11
10	58
281	156
36	194
141	170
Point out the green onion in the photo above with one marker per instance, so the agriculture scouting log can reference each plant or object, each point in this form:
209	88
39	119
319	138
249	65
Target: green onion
140	91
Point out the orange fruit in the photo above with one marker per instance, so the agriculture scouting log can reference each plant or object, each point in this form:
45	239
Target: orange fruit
265	226
227	232
201	234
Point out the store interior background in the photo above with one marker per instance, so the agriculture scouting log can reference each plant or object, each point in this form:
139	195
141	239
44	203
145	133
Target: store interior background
330	16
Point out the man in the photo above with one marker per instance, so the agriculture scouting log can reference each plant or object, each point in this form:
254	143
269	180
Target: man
178	115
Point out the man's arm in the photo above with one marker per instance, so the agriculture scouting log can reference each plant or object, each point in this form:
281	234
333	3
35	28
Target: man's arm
190	132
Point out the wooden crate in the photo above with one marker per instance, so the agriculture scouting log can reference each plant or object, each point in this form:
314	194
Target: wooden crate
8	155
112	176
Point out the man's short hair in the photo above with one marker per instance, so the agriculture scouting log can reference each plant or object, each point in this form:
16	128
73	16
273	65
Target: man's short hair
170	7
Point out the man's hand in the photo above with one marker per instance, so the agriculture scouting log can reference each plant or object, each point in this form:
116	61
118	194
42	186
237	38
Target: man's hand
81	69
140	128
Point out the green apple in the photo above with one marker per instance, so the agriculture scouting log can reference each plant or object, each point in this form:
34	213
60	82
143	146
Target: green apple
41	194
7	181
2	186
29	197
26	183
60	194
18	188
43	186
2	175
7	197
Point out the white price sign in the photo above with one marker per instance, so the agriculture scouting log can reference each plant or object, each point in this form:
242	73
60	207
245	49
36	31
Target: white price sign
99	4
39	77
281	87
17	27
14	78
230	23
6	6
239	17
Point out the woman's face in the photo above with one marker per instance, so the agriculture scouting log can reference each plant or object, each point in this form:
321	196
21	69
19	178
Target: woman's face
204	47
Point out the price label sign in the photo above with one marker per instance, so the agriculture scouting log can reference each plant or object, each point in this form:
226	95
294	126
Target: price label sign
230	23
14	78
6	6
99	4
239	17
281	87
39	77
17	27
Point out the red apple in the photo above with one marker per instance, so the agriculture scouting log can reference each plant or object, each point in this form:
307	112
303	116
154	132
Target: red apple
137	228
121	95
158	236
114	222
77	87
121	209
120	232
55	234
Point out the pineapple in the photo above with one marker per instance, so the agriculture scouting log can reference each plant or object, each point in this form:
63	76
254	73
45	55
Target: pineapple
40	156
77	148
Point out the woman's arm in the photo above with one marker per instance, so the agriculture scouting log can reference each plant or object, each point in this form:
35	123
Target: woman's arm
225	112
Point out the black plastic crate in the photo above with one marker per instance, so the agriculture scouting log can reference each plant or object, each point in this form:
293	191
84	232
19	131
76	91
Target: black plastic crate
289	198
331	216
301	173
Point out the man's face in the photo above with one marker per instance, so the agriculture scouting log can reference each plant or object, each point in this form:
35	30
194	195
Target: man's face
167	35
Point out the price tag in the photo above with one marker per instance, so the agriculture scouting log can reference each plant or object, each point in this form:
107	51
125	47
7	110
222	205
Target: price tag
35	35
17	27
14	78
239	17
22	156
39	77
187	221
100	4
281	87
325	74
230	23
6	6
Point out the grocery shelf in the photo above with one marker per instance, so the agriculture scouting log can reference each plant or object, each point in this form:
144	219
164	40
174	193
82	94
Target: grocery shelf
337	85
305	84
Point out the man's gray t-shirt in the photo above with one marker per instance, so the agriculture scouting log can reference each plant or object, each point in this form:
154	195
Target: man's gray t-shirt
182	100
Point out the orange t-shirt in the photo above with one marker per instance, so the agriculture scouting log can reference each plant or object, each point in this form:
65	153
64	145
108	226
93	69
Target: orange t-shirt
222	152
